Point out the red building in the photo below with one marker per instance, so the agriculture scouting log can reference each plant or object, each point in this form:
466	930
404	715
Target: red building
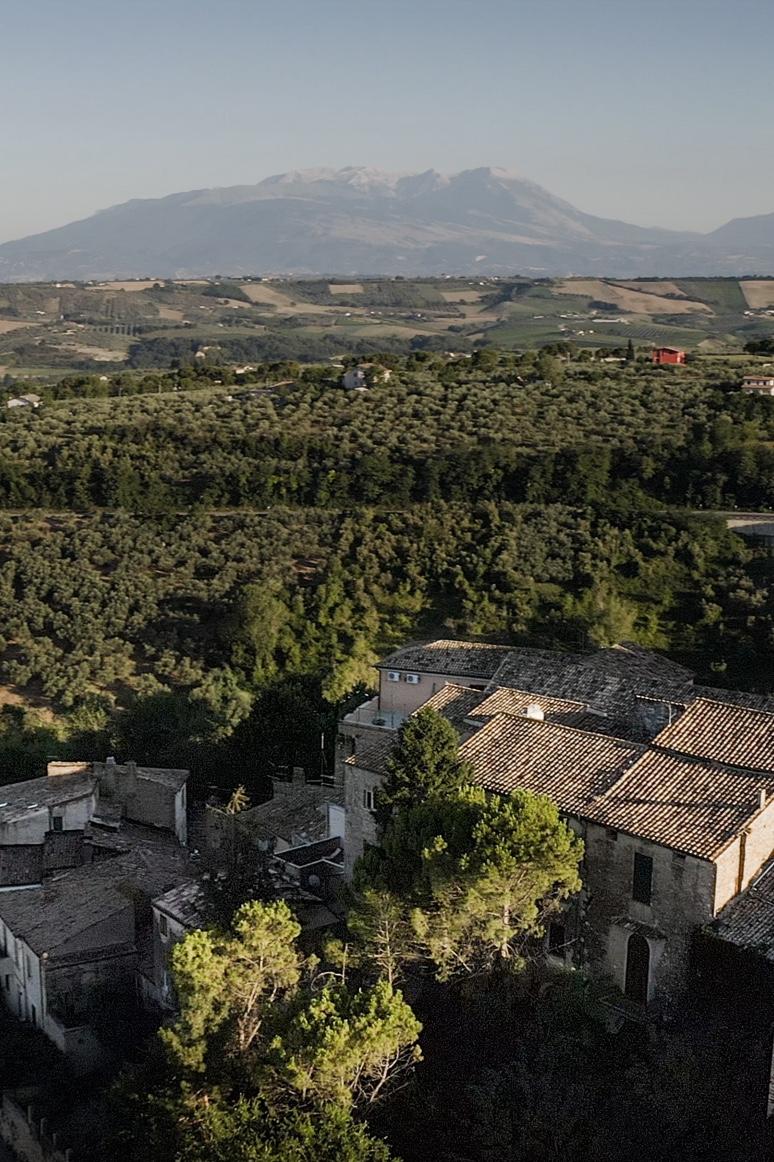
663	355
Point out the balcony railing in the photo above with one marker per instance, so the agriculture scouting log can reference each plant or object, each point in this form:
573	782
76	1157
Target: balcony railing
369	714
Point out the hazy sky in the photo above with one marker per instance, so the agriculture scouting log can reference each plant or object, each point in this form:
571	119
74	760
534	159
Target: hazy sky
660	112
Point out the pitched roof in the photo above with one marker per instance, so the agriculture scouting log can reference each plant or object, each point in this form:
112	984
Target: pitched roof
17	800
21	863
735	735
49	916
456	703
183	903
689	805
293	813
505	700
748	921
608	680
374	753
573	767
467	659
75	902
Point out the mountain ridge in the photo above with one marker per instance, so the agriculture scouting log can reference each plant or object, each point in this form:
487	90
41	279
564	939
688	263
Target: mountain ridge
364	221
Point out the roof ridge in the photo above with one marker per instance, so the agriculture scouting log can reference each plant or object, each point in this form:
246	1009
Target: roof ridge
540	722
733	705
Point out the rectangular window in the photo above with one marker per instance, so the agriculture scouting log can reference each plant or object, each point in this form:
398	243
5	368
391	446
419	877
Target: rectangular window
642	878
557	939
368	798
163	926
29	966
58	823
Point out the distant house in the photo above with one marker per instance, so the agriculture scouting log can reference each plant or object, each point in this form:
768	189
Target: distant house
664	356
24	401
364	375
758	384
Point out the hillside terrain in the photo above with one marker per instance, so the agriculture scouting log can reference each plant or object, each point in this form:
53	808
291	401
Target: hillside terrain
107	327
359	221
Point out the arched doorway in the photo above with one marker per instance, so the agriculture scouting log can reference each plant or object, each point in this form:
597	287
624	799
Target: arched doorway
637	969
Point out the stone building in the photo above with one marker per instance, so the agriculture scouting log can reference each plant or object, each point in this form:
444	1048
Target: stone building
83	853
78	935
671	789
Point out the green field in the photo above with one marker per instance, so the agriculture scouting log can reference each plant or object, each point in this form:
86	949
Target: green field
48	331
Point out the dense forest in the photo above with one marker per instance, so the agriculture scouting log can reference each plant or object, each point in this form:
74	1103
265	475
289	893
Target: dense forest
190	554
511	428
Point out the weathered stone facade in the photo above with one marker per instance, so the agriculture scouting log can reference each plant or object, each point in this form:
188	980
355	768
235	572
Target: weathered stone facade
673	831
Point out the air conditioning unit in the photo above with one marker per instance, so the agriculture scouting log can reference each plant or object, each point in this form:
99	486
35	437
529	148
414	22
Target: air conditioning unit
412	679
393	676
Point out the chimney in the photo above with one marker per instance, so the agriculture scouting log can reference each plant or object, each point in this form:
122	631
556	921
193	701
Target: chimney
535	710
299	777
130	778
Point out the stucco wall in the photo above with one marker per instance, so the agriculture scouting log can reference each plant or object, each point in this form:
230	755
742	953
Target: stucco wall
405	698
33	826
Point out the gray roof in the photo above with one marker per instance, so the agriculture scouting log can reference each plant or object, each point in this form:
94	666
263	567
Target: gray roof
607	680
70	904
748	921
18	799
295	812
466	659
66	907
21	863
184	904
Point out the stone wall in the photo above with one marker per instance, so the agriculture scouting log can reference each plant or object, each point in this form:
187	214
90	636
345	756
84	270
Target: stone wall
682	901
27	1134
360	827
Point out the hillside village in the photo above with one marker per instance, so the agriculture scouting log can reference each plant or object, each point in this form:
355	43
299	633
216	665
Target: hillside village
669	783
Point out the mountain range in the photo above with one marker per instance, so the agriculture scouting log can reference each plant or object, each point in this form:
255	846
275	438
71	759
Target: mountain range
360	222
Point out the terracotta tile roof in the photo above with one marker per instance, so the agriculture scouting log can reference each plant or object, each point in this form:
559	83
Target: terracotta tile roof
573	767
686	804
748	921
457	703
689	805
467	659
734	697
504	700
734	735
